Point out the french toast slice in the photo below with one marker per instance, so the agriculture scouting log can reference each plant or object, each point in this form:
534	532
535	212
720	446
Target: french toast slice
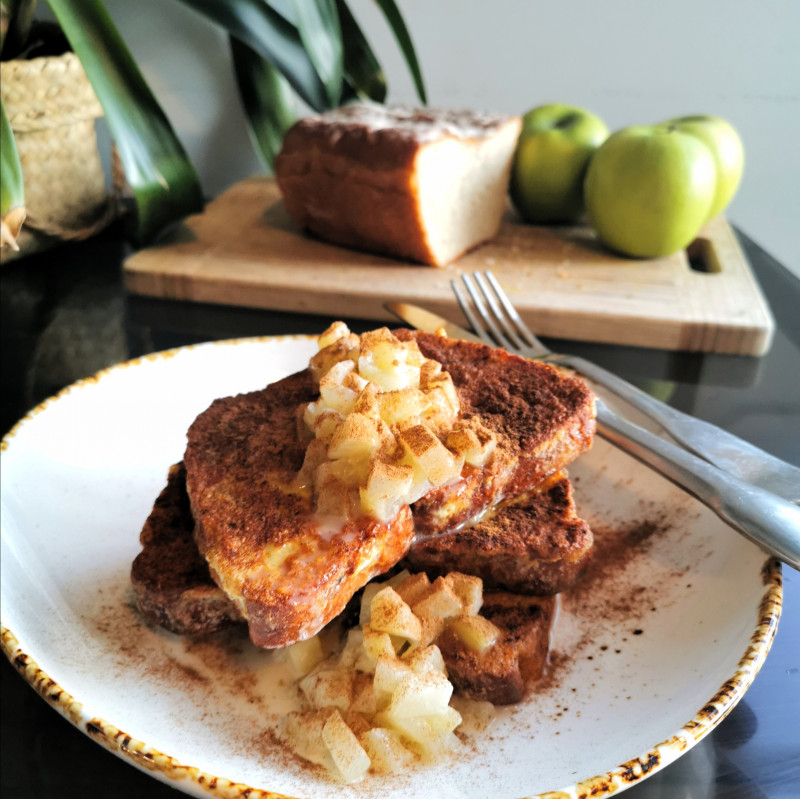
289	571
542	418
174	590
503	671
170	578
534	544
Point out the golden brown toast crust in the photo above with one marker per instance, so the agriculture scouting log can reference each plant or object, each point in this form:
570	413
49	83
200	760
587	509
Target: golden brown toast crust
170	578
241	460
535	544
543	419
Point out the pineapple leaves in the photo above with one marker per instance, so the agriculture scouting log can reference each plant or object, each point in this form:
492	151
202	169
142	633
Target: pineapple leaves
16	19
335	45
272	34
283	52
156	166
12	191
398	26
318	27
362	70
266	99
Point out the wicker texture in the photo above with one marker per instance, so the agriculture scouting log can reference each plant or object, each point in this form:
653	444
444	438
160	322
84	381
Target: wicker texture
52	110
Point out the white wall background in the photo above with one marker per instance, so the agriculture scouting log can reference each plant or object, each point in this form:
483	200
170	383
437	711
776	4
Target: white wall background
629	61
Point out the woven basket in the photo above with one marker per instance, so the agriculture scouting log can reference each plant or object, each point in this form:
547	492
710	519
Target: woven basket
52	109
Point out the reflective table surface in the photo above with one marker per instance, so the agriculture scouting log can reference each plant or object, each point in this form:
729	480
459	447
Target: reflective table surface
65	315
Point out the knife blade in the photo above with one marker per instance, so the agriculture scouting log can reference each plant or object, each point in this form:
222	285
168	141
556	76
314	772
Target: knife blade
428	322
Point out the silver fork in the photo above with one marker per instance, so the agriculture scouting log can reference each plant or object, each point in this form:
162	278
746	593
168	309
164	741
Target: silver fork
739	482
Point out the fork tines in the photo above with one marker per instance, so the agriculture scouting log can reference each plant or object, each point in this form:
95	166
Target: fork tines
492	315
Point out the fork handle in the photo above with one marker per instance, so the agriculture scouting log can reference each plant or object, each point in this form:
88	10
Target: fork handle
723	449
767	520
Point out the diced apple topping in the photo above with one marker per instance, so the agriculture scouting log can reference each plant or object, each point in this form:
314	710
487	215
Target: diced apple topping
386	751
417	693
333	392
377	644
390	614
302	730
336	332
383	407
328	687
440	601
413	587
355	438
388	484
468	589
333	495
402	407
304	655
426	452
341	349
383	702
347	753
477	632
427	659
470	439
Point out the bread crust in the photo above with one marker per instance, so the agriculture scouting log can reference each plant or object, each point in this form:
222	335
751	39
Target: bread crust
504	673
171	580
535	544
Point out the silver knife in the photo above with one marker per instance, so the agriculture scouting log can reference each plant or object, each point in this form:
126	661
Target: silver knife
761	516
717	446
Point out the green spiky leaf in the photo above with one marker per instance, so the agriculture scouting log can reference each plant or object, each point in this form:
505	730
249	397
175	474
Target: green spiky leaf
318	27
362	70
271	34
12	189
266	98
398	26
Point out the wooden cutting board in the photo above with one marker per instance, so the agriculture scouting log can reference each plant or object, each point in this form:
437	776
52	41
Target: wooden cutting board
245	250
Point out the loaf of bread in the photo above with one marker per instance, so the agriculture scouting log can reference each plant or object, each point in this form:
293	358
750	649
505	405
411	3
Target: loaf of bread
420	184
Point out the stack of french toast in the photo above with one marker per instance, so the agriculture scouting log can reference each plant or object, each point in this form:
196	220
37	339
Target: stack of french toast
395	449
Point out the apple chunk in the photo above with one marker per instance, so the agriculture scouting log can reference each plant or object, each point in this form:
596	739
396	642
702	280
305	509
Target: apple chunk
427	453
386	750
389	614
420	694
347	753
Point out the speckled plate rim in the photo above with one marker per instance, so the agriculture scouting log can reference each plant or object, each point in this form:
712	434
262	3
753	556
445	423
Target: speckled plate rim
170	770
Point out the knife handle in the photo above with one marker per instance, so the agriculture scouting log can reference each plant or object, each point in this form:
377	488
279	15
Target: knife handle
767	520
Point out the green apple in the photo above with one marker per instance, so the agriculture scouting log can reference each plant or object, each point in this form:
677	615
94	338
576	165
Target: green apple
649	190
553	151
722	139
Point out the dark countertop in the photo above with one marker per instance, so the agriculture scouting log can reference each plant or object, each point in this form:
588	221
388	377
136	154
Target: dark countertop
65	315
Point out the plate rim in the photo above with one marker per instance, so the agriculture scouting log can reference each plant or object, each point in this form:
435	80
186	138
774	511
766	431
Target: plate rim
169	769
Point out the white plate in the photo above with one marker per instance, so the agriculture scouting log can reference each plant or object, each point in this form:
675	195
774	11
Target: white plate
656	647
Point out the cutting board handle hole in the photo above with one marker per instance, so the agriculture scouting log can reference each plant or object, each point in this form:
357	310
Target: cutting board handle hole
703	257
